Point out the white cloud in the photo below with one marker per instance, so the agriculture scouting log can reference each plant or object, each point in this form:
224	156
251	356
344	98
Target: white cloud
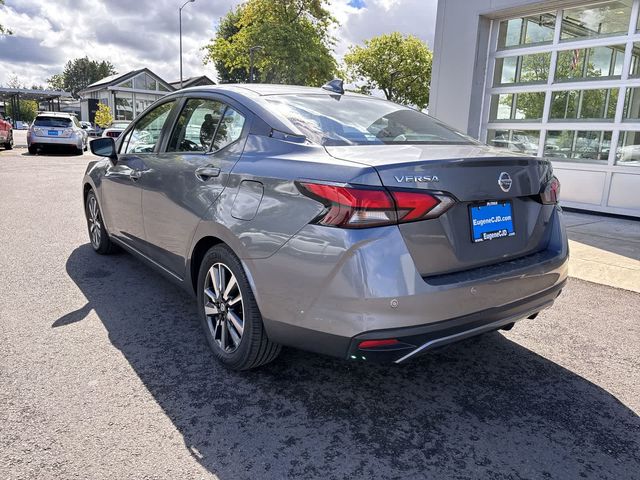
144	33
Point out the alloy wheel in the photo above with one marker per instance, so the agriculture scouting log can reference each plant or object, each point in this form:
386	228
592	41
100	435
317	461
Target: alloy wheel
95	225
223	307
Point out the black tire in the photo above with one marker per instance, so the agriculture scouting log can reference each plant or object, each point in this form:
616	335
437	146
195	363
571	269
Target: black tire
9	144
33	150
254	348
101	242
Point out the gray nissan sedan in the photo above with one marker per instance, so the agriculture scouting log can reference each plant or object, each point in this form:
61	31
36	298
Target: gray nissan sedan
329	221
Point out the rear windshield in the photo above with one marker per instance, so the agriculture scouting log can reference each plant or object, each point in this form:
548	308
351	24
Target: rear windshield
347	120
59	122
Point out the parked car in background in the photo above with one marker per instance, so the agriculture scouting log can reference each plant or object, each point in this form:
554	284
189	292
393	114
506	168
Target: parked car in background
56	129
6	134
90	129
329	221
115	129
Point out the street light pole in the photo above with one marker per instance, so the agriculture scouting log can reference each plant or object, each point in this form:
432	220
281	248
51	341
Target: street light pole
251	50
180	21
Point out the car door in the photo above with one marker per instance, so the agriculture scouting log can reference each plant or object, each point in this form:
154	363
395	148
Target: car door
121	191
181	184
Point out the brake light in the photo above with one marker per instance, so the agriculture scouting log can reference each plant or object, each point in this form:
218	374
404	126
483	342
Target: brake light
388	342
360	207
551	193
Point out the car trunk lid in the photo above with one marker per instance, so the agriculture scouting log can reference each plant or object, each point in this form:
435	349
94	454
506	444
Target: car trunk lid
473	175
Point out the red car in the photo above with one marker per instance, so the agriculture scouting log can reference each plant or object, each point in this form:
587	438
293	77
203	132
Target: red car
6	134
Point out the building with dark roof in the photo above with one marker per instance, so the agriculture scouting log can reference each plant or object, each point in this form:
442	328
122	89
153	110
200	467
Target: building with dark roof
127	95
200	81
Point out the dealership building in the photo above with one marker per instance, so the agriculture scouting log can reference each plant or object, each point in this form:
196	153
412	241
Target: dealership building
559	79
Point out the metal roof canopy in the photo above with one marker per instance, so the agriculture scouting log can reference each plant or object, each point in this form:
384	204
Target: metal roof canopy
14	95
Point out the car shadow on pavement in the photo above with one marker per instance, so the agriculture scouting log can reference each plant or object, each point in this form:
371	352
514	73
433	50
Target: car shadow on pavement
485	408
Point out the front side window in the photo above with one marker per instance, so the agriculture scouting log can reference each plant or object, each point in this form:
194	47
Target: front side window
147	130
196	126
353	120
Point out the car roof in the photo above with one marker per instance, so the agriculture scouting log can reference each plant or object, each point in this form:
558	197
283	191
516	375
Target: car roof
55	114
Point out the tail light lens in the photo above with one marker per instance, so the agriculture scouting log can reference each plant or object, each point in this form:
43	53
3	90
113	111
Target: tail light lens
350	207
551	193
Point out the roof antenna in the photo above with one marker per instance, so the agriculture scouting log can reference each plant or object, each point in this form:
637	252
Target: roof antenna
335	86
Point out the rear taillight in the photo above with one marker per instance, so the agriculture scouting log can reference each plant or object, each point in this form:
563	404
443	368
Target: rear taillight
360	207
551	193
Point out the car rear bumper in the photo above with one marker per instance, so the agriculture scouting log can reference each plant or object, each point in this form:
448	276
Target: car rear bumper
328	289
416	341
48	141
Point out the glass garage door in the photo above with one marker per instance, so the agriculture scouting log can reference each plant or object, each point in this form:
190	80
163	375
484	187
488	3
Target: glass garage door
565	84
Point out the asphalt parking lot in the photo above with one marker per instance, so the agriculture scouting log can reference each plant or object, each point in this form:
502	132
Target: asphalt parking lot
104	375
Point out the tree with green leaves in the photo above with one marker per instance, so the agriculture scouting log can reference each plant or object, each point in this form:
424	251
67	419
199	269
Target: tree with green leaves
226	30
294	36
79	73
4	30
103	116
398	65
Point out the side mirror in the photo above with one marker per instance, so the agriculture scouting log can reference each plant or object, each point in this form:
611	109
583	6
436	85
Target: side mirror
104	147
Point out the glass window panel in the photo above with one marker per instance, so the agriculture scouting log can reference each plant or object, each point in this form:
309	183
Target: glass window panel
196	126
523	69
147	130
127	84
536	29
582	146
144	101
150	83
597	104
628	151
597	62
635	61
162	87
521	141
605	18
517	106
229	130
632	104
124	106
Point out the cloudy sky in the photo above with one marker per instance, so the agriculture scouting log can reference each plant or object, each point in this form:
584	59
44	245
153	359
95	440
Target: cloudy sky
144	33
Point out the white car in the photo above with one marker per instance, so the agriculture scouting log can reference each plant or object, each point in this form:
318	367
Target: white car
115	129
56	129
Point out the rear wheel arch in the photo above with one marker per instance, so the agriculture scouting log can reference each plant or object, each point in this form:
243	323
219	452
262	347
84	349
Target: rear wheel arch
197	255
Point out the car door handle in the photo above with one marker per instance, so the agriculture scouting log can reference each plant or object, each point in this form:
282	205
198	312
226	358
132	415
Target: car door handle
135	175
205	173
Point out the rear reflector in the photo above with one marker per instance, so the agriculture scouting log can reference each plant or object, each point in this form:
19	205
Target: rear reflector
359	207
378	343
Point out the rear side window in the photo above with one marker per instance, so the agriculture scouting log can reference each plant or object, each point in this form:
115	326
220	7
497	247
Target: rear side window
52	122
229	130
196	126
351	120
146	133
